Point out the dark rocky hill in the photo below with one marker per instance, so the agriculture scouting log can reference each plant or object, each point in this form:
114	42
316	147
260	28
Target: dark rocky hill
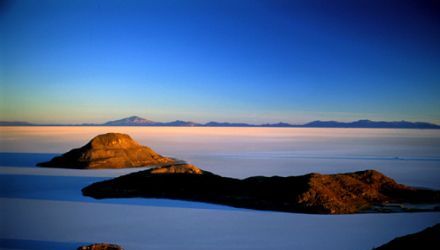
364	191
428	239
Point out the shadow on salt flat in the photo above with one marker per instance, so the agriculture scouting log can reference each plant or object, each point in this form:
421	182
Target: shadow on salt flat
38	244
8	159
68	188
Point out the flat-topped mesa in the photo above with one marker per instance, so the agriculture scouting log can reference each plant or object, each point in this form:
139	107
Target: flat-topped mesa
111	150
113	141
363	191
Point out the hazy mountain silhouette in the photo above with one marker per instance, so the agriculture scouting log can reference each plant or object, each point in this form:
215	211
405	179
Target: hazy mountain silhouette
227	124
15	123
369	124
179	123
130	121
139	121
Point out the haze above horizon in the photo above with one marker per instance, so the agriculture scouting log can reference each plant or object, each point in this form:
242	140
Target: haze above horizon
236	61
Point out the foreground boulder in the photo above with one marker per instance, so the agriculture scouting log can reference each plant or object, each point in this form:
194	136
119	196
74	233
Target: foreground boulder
364	191
112	150
101	246
428	239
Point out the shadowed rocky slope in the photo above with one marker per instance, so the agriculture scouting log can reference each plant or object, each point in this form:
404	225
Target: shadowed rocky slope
428	239
368	191
110	150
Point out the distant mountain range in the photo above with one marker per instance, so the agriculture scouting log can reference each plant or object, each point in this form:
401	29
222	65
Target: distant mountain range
139	121
130	121
16	123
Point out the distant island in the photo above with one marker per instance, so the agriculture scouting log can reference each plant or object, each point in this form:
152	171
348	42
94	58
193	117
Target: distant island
139	121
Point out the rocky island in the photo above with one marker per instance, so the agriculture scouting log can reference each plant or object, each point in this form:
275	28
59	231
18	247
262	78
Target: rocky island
364	191
101	246
112	150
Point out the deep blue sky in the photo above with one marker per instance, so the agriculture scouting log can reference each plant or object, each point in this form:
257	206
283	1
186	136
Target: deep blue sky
242	61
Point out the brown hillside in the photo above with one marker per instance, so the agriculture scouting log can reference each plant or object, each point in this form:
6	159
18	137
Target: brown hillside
112	150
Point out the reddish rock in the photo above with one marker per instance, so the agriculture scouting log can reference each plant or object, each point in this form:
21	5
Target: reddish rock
176	169
349	193
101	246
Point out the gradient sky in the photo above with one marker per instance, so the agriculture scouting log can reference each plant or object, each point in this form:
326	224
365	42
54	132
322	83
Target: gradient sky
240	61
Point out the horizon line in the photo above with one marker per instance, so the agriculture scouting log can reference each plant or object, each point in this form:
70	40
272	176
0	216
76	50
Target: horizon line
145	122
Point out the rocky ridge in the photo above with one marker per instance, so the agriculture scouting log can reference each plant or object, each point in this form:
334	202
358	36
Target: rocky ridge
363	191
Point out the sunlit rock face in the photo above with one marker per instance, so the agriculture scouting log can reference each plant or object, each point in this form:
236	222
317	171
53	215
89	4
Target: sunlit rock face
101	246
176	169
111	150
350	192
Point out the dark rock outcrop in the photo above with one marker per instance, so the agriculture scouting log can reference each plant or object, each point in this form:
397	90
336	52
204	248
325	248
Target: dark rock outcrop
112	150
428	239
101	246
365	191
